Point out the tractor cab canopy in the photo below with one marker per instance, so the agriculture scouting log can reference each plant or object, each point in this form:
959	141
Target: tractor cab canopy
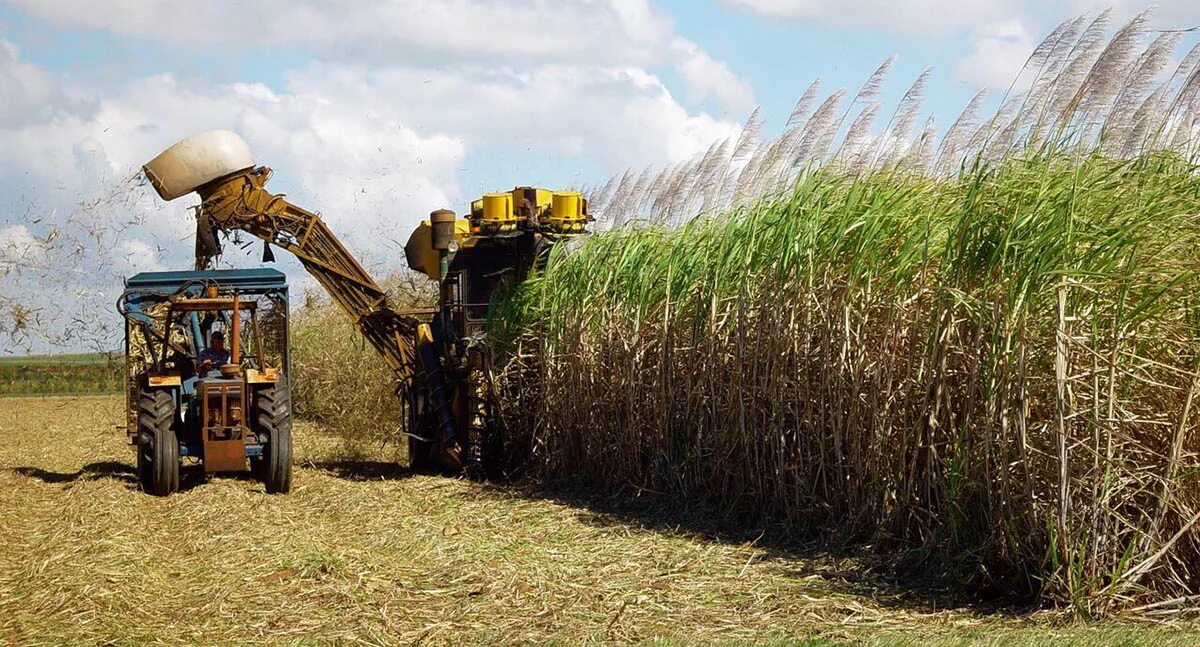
182	309
255	280
170	318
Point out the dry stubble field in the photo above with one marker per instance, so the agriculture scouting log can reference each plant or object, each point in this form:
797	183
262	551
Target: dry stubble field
363	552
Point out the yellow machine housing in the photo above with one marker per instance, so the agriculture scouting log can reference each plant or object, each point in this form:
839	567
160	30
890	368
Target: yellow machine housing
419	251
498	216
530	208
568	214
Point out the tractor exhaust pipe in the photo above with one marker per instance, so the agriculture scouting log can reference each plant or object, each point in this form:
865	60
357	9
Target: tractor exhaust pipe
235	331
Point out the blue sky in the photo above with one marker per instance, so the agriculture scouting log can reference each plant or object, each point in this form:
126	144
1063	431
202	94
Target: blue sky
376	113
778	58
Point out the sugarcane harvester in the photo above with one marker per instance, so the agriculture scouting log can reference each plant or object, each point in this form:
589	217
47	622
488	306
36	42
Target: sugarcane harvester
440	357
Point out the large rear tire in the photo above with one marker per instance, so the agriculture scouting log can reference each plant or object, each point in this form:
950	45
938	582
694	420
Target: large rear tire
158	446
273	419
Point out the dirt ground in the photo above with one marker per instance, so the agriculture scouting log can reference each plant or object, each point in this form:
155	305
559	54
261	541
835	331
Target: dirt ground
363	552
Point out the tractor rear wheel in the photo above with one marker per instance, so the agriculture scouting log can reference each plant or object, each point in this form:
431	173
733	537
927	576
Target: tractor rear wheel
158	447
273	419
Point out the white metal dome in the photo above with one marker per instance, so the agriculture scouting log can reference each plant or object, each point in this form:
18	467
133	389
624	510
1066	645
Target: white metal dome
196	161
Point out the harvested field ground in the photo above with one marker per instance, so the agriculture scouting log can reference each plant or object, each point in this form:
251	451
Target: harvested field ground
363	552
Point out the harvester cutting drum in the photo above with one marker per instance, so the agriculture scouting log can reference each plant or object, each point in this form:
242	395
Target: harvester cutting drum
440	357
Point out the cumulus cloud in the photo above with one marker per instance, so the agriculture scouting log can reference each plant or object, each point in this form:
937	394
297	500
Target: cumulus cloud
1175	13
923	17
613	116
422	34
707	77
19	249
998	52
371	146
31	94
417	31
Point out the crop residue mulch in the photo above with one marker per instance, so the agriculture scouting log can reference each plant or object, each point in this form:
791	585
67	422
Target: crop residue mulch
363	551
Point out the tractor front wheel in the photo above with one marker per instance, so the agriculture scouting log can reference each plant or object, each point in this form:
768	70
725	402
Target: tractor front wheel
158	447
273	418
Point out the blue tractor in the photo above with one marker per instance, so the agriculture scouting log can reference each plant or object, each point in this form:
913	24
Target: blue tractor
193	396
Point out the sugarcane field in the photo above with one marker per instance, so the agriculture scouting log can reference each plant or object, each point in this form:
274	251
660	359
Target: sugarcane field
753	322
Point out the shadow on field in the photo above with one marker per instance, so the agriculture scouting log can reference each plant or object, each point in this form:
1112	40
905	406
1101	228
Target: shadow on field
912	579
91	471
190	476
362	470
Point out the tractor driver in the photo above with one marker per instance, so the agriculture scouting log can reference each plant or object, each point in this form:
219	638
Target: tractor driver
214	356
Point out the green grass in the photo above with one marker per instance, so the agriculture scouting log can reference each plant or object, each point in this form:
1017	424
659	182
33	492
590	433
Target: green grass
77	374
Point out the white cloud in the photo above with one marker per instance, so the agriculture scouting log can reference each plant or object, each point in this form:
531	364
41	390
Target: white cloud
19	249
30	93
1175	14
139	256
422	33
707	77
925	17
416	31
998	53
374	148
613	116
